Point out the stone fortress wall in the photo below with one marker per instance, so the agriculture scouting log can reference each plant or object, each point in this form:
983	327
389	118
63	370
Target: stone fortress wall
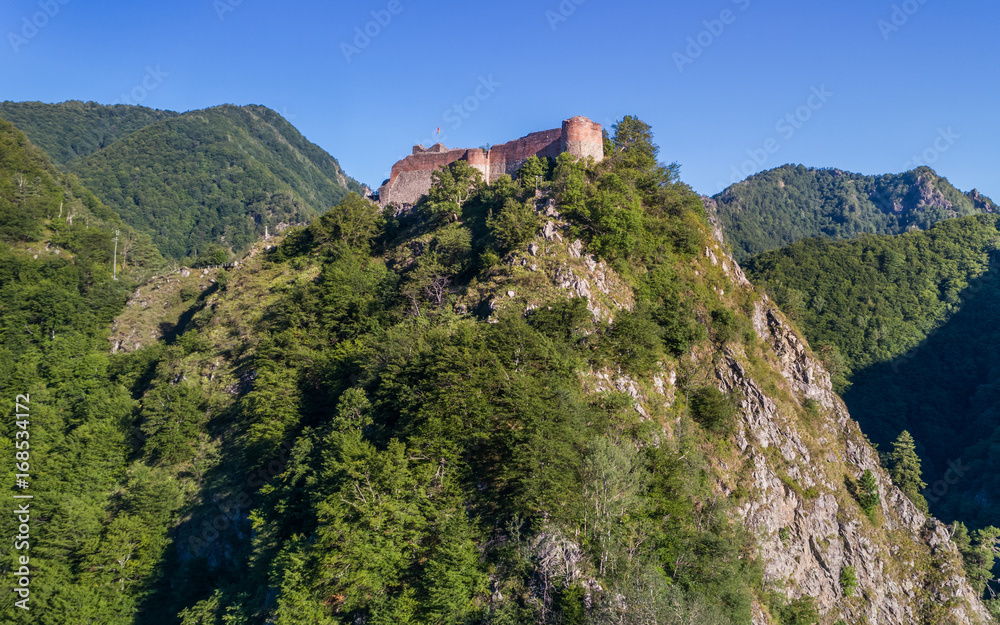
411	177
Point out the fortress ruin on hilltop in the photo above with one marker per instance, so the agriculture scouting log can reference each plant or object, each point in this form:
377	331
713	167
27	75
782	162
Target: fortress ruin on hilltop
411	177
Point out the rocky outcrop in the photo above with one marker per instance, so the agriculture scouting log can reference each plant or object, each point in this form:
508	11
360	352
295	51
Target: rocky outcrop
800	455
809	527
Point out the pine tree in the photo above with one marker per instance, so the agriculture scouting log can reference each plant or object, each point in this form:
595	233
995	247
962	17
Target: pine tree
905	469
868	496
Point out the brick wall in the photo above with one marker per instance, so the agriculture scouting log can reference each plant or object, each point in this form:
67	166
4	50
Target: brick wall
411	177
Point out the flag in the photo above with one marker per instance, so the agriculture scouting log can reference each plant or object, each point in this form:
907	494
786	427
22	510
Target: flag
439	129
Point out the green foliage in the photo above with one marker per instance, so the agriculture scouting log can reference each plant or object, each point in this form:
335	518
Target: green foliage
778	207
37	201
848	580
714	410
634	140
614	215
451	188
172	416
979	552
801	611
534	171
868	494
215	176
563	319
354	222
515	225
841	295
725	325
634	339
908	327
75	129
904	467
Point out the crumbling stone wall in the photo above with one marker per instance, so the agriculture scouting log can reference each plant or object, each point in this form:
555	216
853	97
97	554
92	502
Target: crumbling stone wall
411	177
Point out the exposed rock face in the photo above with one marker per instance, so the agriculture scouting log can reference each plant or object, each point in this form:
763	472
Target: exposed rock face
800	455
981	202
808	525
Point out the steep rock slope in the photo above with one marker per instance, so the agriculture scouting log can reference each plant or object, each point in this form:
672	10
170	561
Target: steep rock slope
915	318
799	454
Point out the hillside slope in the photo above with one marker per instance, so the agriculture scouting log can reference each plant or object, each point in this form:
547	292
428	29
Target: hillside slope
562	406
219	176
915	317
59	294
45	211
75	129
775	208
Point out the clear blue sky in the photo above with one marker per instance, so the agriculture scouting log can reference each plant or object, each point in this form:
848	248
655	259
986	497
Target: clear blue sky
926	85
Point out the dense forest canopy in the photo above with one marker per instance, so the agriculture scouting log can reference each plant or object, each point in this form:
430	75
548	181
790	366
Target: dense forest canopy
775	208
216	177
202	183
75	129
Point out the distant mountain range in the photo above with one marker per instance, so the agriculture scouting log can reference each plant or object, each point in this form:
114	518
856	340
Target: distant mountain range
76	129
775	208
40	203
212	177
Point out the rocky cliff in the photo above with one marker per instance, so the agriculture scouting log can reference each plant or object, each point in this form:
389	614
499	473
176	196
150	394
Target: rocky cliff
798	455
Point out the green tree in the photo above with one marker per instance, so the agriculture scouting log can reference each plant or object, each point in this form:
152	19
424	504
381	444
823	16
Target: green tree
532	172
634	139
848	580
714	410
515	225
354	222
801	611
905	469
171	418
868	495
451	187
571	180
979	552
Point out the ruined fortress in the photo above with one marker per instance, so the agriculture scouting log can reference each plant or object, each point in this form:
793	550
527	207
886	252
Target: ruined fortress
411	177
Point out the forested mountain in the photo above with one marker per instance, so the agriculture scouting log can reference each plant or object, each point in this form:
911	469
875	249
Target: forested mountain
916	319
57	298
555	406
775	208
214	177
39	206
74	129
